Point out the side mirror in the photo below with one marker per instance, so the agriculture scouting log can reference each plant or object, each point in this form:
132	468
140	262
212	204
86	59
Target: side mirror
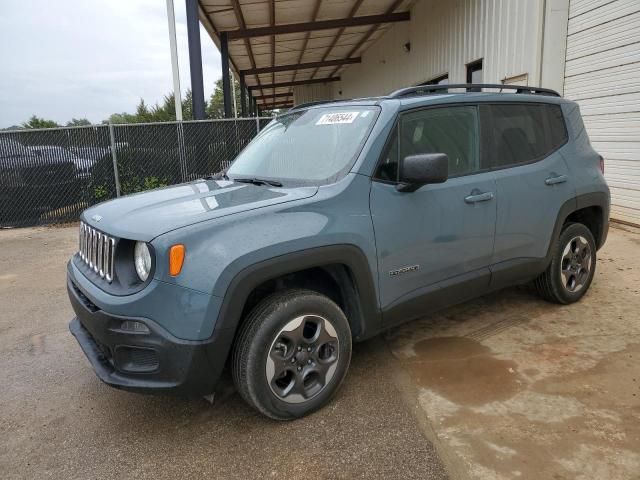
419	170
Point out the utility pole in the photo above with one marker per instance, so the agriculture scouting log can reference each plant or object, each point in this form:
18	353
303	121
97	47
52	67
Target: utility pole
233	92
171	18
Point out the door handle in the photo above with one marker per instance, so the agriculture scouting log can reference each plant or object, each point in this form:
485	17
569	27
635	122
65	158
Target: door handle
556	179
476	197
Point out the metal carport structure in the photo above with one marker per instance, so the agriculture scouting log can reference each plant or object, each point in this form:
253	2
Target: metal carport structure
275	45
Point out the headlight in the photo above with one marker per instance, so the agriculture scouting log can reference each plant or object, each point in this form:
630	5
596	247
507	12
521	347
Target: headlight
142	260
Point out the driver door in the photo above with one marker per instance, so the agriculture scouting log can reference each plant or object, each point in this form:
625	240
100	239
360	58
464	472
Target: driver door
434	244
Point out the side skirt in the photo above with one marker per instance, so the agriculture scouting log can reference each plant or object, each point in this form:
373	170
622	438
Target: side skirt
427	300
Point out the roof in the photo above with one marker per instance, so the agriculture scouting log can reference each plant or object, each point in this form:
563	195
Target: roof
278	44
420	95
478	97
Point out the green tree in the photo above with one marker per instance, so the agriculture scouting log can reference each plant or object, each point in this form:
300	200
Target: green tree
187	106
215	108
165	110
78	122
123	117
142	112
37	122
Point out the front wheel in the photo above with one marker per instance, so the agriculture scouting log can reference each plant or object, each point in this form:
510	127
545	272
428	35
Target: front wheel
291	354
572	266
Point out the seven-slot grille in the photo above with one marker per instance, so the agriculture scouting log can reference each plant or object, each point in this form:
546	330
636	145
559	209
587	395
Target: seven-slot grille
97	251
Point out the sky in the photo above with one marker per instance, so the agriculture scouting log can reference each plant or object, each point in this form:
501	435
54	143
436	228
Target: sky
91	58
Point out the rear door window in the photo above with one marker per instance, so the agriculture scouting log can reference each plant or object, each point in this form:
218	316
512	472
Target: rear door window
523	133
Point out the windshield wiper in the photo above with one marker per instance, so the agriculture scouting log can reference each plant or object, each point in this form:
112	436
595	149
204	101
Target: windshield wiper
259	181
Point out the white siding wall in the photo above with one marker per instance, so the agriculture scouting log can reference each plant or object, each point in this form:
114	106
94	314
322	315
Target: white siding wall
603	76
444	37
310	93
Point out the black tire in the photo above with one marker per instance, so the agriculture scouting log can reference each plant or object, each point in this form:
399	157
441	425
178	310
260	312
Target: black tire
552	285
261	340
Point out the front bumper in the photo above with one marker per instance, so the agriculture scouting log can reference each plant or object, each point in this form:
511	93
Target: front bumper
152	362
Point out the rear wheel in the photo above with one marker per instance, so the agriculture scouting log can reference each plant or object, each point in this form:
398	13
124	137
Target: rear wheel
572	267
292	353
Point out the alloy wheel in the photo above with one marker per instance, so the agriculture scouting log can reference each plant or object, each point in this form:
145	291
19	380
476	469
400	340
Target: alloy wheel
302	358
576	264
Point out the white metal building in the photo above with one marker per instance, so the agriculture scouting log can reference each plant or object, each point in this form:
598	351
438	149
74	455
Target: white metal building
506	38
307	50
603	75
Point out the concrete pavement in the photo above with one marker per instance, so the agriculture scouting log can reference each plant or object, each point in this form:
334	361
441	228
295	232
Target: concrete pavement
514	387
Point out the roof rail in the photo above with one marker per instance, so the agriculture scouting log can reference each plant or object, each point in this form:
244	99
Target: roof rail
311	104
477	87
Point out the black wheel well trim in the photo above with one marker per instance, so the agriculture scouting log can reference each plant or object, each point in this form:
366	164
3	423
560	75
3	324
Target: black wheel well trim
573	205
350	256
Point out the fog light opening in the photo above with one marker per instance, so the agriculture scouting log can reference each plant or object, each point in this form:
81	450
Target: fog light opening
134	327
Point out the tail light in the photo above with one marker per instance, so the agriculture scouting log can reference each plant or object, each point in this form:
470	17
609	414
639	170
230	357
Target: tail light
601	164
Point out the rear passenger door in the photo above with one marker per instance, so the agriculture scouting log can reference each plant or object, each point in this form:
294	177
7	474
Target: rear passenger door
532	182
440	235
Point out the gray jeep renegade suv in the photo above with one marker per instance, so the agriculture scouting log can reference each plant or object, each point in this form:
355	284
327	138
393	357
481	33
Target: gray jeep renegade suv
339	220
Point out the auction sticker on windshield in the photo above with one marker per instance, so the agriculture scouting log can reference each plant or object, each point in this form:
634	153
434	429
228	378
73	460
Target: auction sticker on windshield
338	117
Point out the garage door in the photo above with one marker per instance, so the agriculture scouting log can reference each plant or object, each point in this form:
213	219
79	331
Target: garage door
602	74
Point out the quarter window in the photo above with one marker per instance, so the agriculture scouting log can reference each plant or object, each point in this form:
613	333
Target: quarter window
524	133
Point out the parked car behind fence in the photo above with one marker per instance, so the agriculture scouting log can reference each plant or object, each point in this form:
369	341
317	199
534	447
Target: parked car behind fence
49	176
32	184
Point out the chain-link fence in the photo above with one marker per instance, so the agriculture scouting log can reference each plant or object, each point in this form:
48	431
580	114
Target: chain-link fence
49	176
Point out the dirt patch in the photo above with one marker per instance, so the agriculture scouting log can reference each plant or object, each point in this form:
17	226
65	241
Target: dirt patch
38	345
464	371
613	381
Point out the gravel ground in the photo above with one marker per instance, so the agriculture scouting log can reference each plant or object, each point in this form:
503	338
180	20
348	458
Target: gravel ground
58	420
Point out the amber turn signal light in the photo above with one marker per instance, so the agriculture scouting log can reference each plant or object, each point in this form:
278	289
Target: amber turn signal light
176	259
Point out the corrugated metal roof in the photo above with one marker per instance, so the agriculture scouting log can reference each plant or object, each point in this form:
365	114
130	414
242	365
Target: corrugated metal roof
331	43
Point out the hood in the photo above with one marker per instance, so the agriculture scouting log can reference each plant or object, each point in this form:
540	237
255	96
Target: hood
144	216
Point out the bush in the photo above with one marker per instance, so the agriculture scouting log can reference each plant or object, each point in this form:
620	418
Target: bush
139	169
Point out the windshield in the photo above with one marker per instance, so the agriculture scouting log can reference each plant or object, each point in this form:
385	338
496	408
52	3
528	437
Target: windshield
309	146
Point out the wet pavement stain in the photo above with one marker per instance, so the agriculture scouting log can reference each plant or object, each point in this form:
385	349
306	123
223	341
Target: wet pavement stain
464	371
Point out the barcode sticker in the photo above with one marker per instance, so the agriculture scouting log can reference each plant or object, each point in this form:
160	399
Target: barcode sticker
340	117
